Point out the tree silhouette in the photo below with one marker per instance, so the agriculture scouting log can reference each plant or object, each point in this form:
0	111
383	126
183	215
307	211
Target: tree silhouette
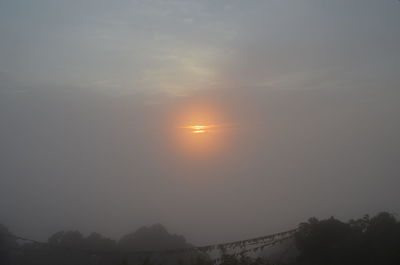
7	245
364	241
368	241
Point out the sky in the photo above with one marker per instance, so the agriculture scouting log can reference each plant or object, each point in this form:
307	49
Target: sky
96	97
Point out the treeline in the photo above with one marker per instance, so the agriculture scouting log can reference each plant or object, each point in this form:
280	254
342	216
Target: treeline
368	240
71	247
364	241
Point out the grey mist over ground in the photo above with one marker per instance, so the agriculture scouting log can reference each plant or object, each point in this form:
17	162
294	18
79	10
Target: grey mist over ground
91	93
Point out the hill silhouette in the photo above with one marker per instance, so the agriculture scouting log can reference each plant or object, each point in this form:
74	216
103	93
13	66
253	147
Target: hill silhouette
155	237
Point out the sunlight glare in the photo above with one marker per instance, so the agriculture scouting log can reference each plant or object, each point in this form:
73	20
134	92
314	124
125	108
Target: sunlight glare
198	128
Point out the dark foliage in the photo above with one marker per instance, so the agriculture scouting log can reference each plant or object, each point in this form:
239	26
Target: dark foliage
7	245
364	241
72	248
155	237
367	241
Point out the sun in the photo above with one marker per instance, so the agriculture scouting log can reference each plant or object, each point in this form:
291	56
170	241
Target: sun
199	128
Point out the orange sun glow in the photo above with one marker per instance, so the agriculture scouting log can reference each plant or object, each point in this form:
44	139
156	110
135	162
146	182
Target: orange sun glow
198	128
201	131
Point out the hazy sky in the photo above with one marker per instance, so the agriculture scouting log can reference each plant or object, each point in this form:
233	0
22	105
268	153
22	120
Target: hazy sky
93	95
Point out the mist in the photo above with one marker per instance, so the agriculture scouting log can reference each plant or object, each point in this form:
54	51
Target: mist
93	95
